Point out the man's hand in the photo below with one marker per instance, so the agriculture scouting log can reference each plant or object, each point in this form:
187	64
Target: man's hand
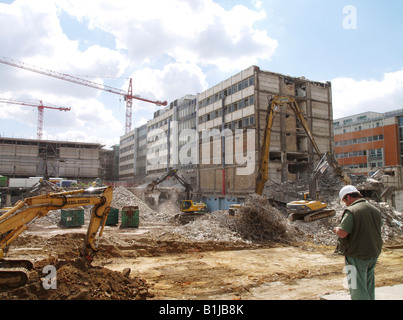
340	233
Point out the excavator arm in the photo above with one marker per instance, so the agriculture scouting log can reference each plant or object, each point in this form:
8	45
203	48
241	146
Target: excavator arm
274	104
17	219
171	173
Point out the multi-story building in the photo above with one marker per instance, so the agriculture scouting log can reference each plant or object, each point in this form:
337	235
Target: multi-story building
368	141
188	135
241	102
21	158
168	135
132	155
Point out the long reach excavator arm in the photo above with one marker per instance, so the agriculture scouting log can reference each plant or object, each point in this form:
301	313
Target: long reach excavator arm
275	103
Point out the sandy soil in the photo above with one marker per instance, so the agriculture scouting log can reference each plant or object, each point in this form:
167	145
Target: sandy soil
151	262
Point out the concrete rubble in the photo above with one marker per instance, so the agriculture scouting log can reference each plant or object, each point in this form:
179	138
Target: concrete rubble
219	226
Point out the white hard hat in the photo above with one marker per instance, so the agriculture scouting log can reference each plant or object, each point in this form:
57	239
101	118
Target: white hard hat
347	190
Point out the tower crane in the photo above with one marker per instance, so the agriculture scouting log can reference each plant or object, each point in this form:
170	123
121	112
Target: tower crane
128	96
40	107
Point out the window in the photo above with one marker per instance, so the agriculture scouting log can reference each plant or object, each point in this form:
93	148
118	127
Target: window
363	118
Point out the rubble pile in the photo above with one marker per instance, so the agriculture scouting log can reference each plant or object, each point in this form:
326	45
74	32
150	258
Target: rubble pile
320	231
123	197
392	221
212	227
259	221
77	280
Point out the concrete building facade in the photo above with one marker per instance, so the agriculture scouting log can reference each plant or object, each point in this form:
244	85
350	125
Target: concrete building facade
21	158
241	103
188	135
168	135
132	155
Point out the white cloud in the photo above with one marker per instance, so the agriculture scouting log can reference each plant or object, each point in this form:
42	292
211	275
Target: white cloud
198	32
174	81
352	96
163	44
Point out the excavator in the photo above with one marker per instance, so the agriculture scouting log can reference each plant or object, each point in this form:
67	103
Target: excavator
17	219
189	209
311	208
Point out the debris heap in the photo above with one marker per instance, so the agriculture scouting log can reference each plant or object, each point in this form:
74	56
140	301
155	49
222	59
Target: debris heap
259	221
212	227
123	197
76	280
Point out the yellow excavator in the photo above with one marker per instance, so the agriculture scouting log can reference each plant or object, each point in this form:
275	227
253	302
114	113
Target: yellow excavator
17	219
189	210
311	207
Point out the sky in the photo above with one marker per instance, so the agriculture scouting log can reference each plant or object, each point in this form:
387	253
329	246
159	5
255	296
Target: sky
171	48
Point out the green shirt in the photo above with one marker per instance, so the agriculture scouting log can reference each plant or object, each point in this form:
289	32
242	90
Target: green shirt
363	223
347	222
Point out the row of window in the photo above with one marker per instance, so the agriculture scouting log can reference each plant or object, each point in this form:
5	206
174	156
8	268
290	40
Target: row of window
358	141
228	91
351	154
241	123
126	149
238	105
127	158
183	117
374	153
126	167
373	165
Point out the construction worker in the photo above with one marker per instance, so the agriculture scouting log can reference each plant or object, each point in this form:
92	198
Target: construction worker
360	241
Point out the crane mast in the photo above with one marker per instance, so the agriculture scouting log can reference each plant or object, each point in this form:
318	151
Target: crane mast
128	96
40	107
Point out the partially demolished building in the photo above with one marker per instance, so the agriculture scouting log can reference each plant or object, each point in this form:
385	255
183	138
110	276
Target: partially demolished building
241	103
21	158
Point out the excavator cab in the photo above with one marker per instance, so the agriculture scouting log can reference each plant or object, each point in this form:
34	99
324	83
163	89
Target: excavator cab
192	207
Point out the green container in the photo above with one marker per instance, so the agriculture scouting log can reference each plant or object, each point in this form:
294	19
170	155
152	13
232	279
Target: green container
113	217
130	217
72	218
3	181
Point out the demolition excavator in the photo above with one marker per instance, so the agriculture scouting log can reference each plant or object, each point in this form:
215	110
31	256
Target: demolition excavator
17	219
189	210
311	207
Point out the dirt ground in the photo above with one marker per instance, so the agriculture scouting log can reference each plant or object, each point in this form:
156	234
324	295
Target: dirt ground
152	262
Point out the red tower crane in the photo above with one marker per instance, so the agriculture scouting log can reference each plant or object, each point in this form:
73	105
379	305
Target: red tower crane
128	96
40	107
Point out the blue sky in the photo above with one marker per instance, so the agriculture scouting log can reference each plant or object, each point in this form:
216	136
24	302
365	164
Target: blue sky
175	47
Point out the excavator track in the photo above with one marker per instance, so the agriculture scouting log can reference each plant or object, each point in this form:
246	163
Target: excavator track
187	217
319	215
313	216
14	273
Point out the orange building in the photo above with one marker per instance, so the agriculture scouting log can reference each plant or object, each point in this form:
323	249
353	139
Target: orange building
368	141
